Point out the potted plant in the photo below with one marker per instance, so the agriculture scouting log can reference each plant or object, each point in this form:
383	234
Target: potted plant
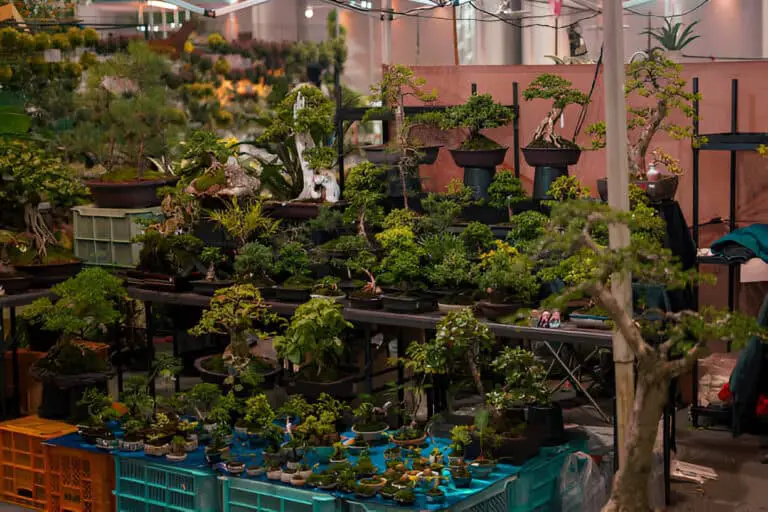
100	413
235	311
401	268
435	495
549	152
328	288
219	446
388	491
364	467
483	465
448	271
408	435
213	258
658	78
258	418
176	450
478	154
460	439
525	229
156	444
507	279
368	296
133	438
293	261
364	190
368	423
313	345
168	257
405	497
514	444
288	474
328	223
506	191
254	264
203	399
128	117
368	487
402	157
670	39
339	455
298	480
478	239
568	188
459	337
274	472
255	470
85	307
34	246
317	433
462	478
235	467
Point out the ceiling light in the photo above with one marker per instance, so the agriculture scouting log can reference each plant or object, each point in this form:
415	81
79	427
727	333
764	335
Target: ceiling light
162	5
309	12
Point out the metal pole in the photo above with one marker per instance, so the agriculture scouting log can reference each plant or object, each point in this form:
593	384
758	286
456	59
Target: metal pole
618	198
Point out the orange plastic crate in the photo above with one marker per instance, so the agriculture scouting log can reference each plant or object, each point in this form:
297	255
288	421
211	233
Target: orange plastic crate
22	460
79	480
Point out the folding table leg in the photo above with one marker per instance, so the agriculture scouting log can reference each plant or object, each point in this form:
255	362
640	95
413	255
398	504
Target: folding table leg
576	382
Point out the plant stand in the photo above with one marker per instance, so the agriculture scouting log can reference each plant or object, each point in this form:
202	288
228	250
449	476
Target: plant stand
549	164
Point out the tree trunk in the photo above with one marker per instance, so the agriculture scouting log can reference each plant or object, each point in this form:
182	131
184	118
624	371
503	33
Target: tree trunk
630	485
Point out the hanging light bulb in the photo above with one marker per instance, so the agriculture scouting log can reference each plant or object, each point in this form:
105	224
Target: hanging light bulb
309	12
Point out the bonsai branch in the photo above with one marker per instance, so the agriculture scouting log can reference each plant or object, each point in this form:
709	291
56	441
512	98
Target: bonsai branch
41	235
623	320
639	150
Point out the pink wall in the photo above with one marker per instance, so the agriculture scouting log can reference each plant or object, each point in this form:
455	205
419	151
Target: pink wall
454	86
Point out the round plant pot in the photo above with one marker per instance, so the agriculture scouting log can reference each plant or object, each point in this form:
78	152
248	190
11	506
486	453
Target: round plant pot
179	457
45	276
255	471
381	155
516	450
274	475
546	423
380	482
448	308
371	436
543	178
286	477
342	389
61	393
130	446
481	469
367	303
15	283
551	157
395	183
271	378
478	179
155	451
487	158
136	194
461	482
407	304
235	467
495	311
410	442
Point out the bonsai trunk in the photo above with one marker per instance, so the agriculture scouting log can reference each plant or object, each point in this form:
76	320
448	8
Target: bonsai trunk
361	224
140	160
211	274
41	235
238	345
402	140
474	370
630	485
546	130
639	150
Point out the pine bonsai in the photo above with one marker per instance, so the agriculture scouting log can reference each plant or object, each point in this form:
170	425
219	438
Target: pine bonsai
480	112
506	190
557	89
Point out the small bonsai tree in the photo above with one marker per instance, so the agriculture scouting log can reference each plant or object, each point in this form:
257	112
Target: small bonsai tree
567	188
659	79
86	306
526	228
242	222
258	413
523	377
461	437
212	257
254	262
398	83
401	265
464	333
293	260
364	191
505	275
506	190
312	339
478	113
478	238
235	311
442	210
557	89
448	267
686	333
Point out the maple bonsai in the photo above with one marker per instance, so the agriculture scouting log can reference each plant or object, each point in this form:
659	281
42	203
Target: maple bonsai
575	228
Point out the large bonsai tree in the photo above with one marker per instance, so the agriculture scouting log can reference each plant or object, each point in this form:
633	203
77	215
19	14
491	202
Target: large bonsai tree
480	112
574	229
557	89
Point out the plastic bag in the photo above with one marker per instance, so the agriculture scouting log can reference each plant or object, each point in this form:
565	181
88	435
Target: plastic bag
583	486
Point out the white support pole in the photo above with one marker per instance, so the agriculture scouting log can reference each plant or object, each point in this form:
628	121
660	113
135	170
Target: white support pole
386	34
618	198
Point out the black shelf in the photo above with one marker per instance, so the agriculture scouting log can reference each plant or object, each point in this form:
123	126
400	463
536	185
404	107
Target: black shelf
716	260
733	141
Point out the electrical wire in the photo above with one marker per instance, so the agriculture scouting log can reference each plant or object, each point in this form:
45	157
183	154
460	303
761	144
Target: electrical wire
686	13
508	22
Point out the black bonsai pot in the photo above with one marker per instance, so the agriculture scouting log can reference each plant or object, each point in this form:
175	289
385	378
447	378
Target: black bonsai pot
657	191
208	288
61	393
400	303
516	450
545	422
342	388
484	158
550	164
271	378
158	282
46	275
495	311
359	301
381	155
15	283
134	194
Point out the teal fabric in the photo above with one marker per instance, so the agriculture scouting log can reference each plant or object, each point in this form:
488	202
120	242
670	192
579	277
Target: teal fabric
754	237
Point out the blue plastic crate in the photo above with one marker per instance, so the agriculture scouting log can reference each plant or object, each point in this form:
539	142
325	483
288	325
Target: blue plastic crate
242	495
143	486
537	488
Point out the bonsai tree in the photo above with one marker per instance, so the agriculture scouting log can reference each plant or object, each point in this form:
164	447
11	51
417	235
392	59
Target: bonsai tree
312	340
460	438
367	418
99	407
401	265
235	311
242	222
212	257
85	307
558	90
442	210
574	225
364	189
293	260
328	286
253	263
526	228
396	85
258	413
659	80
448	267
31	176
506	190
203	152
523	376
480	112
478	238
567	188
505	275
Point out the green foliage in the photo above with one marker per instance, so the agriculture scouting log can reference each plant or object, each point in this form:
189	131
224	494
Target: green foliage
246	221
296	407
99	406
254	260
401	264
566	188
442	210
212	257
478	113
328	219
401	218
364	189
557	89
504	274
478	237
460	438
506	190
669	36
204	398
292	259
328	286
448	262
523	377
526	228
86	305
313	335
167	254
201	150
258	412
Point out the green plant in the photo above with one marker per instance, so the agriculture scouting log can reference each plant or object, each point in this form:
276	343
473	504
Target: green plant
99	407
478	237
367	418
339	451
405	496
296	407
557	89
364	189
658	81
254	261
328	286
201	151
312	337
460	438
293	260
243	222
401	264
566	188
316	430
505	274
669	36
523	376
506	190
235	311
526	228
203	398
478	113
212	257
258	412
442	210
328	220
466	335
167	253
448	261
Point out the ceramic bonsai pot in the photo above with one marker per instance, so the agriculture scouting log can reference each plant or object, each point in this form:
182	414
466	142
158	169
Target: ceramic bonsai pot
135	194
155	450
274	474
481	469
271	378
398	303
342	388
255	471
657	191
486	158
494	311
178	457
44	276
546	421
381	155
410	442
370	436
292	295
428	154
235	467
363	302
15	283
516	450
130	446
551	157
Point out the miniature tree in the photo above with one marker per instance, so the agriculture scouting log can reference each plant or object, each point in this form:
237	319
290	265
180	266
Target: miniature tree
442	210
401	265
212	257
566	188
478	113
396	85
364	190
659	79
557	89
235	311
573	229
242	222
506	191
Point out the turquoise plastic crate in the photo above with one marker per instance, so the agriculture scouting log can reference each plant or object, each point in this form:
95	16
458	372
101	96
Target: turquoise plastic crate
143	486
537	488
241	495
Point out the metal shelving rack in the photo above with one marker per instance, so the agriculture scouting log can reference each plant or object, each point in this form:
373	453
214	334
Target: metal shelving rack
733	142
